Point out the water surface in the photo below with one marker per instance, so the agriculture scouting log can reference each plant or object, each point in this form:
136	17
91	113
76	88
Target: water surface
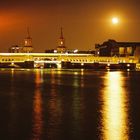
54	104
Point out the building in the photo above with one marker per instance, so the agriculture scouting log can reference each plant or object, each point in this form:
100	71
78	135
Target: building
61	43
15	49
114	48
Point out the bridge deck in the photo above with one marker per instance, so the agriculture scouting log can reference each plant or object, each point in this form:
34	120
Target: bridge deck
57	58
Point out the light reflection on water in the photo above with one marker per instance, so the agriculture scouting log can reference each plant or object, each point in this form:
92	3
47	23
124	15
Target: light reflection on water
54	107
114	113
37	107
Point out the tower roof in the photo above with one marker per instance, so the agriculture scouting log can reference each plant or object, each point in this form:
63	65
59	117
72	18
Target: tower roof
61	34
28	33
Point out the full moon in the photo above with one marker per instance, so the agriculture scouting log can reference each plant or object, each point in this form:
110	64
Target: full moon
115	20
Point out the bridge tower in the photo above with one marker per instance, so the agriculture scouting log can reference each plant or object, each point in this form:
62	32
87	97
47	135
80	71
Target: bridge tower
28	48
61	43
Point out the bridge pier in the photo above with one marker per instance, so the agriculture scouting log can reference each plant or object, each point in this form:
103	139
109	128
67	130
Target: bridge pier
29	64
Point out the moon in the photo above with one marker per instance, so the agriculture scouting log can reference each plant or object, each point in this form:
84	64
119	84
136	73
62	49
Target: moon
115	20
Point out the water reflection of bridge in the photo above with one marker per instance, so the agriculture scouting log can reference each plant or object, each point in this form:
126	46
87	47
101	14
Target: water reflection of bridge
59	60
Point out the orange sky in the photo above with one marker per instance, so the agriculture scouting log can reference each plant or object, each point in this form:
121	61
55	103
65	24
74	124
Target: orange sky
84	22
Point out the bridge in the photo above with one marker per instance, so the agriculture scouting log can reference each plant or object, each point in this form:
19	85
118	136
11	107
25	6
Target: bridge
60	60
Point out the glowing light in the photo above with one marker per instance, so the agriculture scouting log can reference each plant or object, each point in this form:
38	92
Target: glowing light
75	51
55	51
115	20
59	65
61	42
128	65
108	64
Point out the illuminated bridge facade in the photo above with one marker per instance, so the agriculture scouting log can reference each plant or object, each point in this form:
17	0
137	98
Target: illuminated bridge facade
59	60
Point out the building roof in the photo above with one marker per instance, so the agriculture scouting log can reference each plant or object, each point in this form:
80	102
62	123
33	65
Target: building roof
113	43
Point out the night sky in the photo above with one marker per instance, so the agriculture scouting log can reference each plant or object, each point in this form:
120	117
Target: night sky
85	22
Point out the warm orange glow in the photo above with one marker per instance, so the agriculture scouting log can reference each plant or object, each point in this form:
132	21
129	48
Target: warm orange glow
114	112
8	21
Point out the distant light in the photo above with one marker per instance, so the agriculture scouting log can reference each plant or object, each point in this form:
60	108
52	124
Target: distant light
59	66
61	42
55	51
75	51
115	20
128	65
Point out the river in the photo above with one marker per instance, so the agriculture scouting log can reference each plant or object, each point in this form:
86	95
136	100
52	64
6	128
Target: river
52	104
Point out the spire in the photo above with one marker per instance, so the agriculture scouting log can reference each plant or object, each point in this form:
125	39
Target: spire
28	33
61	36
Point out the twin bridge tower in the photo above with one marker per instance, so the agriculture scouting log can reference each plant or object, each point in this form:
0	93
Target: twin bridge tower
28	47
61	48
